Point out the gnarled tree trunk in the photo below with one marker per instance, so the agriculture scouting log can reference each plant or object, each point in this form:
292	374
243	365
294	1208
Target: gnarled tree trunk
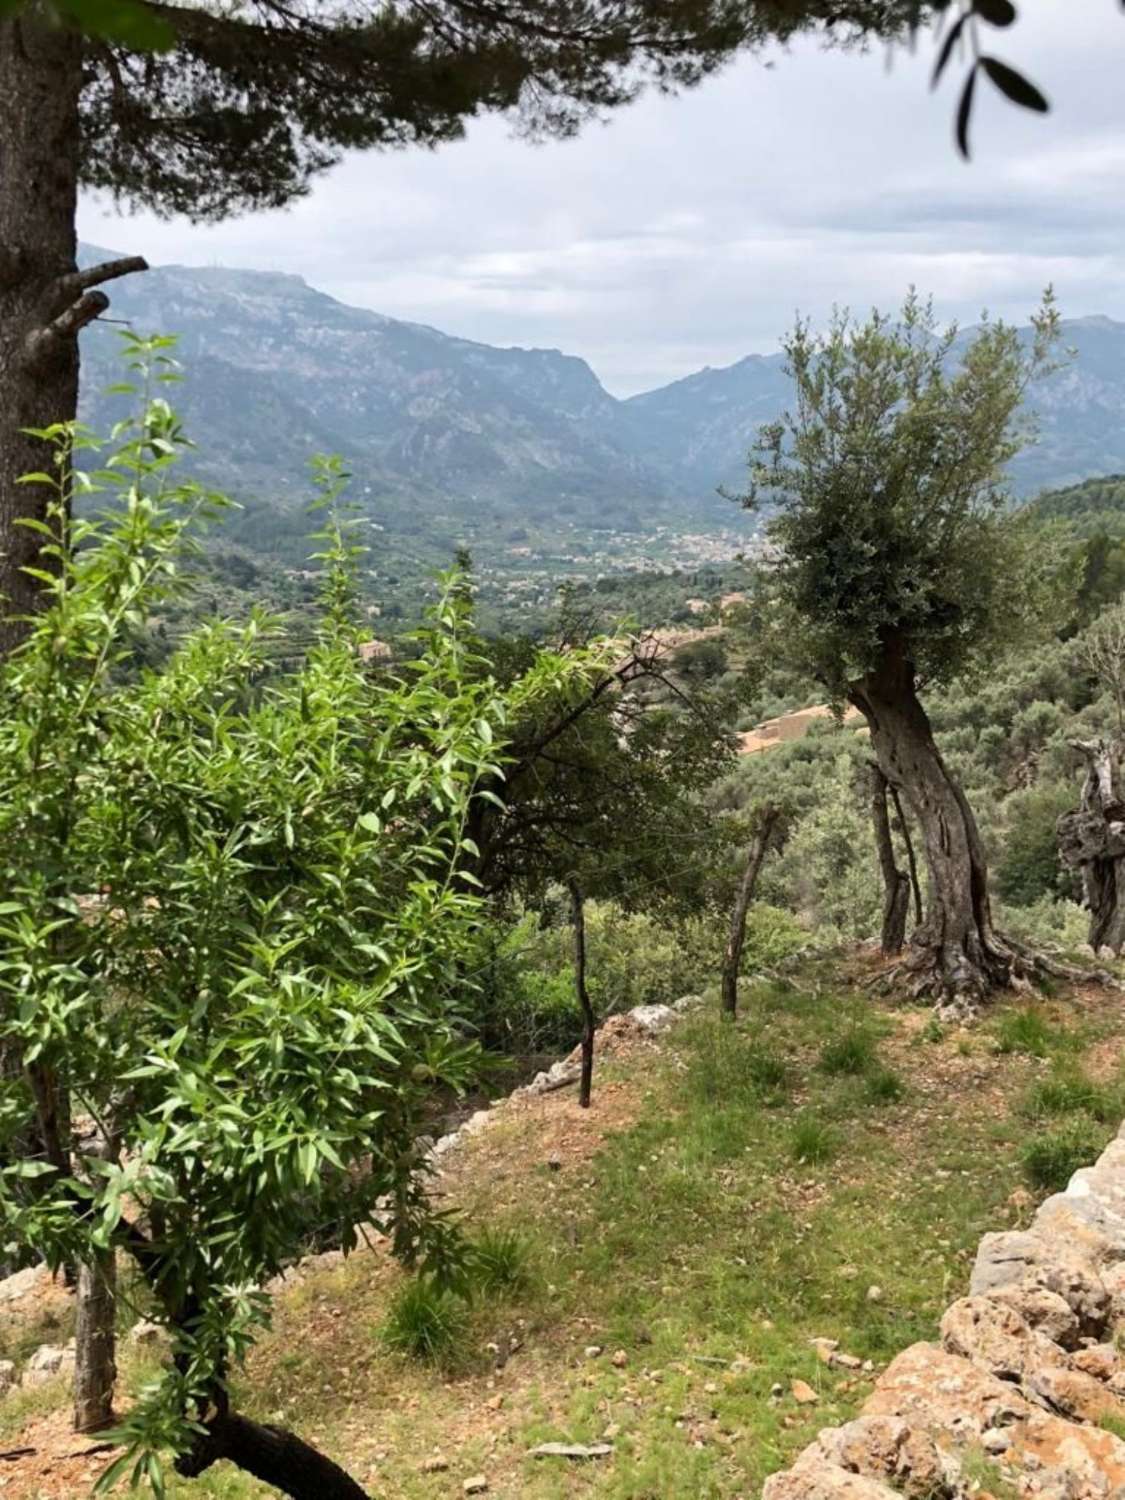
1092	839
271	1454
44	300
896	882
957	956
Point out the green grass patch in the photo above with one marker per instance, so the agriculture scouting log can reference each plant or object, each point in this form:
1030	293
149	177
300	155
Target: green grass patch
884	1086
424	1321
500	1263
1025	1030
1068	1091
851	1053
813	1141
1051	1157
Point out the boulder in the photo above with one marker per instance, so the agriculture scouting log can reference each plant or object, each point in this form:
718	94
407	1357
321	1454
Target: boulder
887	1448
1044	1310
939	1392
22	1283
652	1018
1064	1264
47	1362
817	1480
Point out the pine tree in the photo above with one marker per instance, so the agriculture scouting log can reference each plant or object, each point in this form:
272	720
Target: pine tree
238	110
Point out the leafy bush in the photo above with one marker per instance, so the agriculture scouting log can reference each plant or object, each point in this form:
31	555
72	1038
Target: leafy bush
1029	866
425	1321
1051	1158
1057	924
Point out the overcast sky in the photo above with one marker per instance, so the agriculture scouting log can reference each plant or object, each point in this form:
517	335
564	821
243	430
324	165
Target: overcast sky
688	231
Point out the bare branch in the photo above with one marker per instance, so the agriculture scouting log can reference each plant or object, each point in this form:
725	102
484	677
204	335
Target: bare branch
46	341
109	270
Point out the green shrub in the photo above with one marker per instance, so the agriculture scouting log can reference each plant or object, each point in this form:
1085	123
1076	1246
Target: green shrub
1029	867
1050	1158
499	1262
884	1086
425	1321
812	1142
851	1053
1024	1030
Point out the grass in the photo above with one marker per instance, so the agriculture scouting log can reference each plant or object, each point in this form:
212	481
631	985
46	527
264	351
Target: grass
984	1474
1069	1090
1025	1030
680	1229
500	1263
1051	1157
849	1054
425	1322
813	1141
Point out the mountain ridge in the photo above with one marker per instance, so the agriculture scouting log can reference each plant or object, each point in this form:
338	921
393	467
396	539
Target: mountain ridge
437	428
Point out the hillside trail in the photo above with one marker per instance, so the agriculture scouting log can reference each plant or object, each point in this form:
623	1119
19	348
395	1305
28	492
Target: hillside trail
627	1339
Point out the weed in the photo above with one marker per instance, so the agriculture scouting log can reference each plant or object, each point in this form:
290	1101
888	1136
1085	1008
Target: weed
425	1321
499	1263
851	1053
1024	1030
812	1141
1050	1158
768	1073
884	1086
1110	1422
984	1474
933	1031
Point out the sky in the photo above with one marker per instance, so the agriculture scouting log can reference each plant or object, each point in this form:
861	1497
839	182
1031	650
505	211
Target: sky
688	231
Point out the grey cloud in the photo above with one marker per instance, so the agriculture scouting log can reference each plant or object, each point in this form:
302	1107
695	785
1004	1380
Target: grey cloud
688	231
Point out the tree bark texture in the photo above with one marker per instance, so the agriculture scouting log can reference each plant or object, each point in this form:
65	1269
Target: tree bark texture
45	301
578	920
957	956
271	1454
732	956
95	1371
1092	839
41	77
896	882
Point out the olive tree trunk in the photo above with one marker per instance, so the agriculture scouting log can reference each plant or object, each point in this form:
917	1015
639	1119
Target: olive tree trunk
732	955
956	956
44	300
273	1455
578	920
896	882
1092	840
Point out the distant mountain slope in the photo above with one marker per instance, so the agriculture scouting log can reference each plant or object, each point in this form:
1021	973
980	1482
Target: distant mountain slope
441	431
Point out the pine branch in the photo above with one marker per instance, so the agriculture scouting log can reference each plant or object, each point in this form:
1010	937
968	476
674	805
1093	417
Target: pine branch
43	343
109	270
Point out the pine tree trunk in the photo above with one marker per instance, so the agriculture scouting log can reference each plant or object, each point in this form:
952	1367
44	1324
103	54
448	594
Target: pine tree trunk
732	956
956	955
896	882
1093	840
45	301
95	1371
40	81
578	919
271	1454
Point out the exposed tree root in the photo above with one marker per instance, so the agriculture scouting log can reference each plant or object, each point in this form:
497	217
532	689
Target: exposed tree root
960	987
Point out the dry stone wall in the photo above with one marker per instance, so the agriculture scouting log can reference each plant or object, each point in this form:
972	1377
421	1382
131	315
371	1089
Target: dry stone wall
1024	1396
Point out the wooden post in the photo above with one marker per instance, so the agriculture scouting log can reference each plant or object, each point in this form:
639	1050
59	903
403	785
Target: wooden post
578	918
732	957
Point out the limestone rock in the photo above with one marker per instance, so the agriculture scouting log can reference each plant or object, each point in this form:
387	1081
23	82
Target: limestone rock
1045	1310
942	1392
22	1283
652	1018
145	1332
1018	1257
816	1480
887	1448
477	1484
48	1361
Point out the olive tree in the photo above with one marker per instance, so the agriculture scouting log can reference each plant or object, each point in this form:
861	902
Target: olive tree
901	566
